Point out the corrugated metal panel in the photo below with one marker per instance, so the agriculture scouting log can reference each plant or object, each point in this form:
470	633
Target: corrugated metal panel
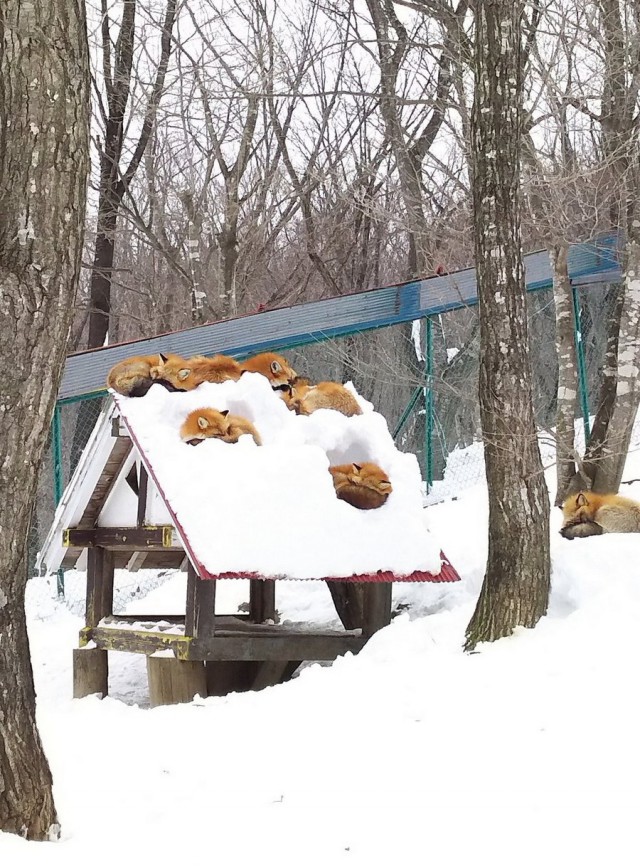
85	372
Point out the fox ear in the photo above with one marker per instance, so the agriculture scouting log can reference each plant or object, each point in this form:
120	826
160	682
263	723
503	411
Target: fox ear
357	467
163	358
202	422
276	367
182	374
225	412
581	500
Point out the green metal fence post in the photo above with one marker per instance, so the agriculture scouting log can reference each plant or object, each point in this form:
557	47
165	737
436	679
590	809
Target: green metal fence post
428	404
582	366
58	485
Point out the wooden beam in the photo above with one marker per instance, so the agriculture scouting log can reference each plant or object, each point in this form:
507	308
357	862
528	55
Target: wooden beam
143	484
123	537
136	560
201	603
376	608
307	646
262	600
137	641
99	600
348	600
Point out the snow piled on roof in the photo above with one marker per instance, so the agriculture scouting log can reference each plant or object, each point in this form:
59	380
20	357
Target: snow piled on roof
272	510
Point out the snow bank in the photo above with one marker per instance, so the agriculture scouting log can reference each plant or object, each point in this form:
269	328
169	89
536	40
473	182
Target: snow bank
273	509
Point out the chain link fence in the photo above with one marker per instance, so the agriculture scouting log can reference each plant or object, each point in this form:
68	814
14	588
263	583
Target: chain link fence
389	367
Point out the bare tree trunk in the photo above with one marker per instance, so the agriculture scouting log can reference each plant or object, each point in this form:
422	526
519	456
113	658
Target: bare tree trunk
43	171
516	584
567	370
612	450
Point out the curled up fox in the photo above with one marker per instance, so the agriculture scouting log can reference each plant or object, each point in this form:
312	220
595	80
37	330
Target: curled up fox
589	513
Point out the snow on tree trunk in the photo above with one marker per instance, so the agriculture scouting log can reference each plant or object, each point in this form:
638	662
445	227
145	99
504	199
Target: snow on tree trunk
516	585
44	108
567	370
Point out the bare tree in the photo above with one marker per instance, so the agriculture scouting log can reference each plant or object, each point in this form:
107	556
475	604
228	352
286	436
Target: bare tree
44	98
117	62
515	590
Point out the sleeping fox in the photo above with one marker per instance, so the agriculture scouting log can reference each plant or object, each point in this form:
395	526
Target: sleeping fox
133	377
589	513
204	424
305	398
187	375
363	485
274	367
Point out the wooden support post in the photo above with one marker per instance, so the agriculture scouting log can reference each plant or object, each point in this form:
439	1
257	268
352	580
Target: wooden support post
142	496
174	682
90	672
377	607
348	599
262	600
90	666
201	604
99	585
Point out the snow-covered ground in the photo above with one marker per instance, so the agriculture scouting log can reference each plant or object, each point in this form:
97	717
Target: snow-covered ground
525	752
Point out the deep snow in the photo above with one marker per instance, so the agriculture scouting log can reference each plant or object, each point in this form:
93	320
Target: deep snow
411	752
281	494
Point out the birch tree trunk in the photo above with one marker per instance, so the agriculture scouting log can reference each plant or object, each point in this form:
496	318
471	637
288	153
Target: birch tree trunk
567	370
44	119
516	584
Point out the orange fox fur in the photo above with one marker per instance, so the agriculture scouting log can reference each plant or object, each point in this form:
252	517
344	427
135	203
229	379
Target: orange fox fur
274	367
363	485
187	375
589	513
132	377
211	424
305	398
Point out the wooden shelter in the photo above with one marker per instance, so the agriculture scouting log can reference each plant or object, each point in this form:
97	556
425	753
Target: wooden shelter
115	510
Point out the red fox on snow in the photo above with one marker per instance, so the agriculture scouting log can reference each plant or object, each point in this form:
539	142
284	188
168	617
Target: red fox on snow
305	398
187	375
204	424
274	367
589	513
363	485
132	377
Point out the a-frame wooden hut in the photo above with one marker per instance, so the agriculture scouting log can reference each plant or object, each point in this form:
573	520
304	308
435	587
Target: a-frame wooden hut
121	508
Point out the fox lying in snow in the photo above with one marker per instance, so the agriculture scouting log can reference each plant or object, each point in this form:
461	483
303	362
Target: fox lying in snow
274	367
305	398
589	513
133	376
187	375
363	485
204	424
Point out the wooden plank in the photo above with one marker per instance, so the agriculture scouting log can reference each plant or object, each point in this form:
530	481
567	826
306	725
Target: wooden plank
174	682
137	641
124	537
376	608
201	602
99	599
143	485
224	620
90	673
284	648
262	600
